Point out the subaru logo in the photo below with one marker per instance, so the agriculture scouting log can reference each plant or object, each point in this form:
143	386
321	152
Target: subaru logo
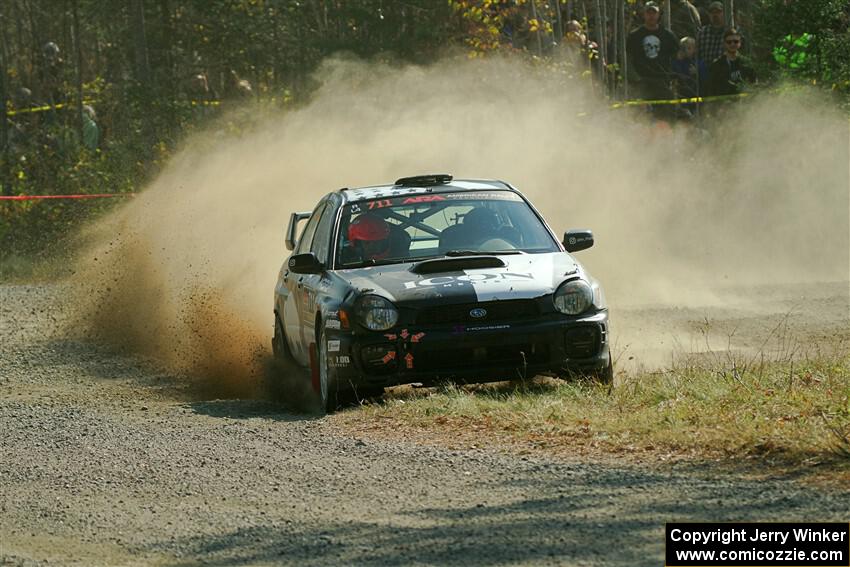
478	313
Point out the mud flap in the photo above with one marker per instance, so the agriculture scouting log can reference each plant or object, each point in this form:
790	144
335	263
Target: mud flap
314	367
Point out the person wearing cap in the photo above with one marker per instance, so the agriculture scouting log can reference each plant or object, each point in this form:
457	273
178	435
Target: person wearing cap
651	49
710	36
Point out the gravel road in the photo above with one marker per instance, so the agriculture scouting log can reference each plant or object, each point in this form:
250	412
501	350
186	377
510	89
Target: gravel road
107	460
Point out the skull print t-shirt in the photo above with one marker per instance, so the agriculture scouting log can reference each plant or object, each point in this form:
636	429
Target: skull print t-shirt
651	52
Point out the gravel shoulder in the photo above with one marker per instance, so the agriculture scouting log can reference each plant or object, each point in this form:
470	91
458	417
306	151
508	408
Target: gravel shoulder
107	460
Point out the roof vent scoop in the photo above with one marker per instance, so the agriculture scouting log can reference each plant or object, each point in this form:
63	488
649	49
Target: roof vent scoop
424	180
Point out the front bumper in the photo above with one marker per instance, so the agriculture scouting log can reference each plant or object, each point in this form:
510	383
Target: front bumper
550	344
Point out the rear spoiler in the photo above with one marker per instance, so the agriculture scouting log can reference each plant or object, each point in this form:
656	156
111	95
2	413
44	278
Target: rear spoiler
292	229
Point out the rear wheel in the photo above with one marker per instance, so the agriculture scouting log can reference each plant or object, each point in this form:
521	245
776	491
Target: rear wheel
279	346
288	382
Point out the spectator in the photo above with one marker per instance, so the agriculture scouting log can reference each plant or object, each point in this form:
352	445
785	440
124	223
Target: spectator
202	98
91	132
710	37
50	74
689	71
651	50
729	73
684	18
581	51
238	87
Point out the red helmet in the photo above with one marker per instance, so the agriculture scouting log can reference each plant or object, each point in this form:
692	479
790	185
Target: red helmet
368	227
370	234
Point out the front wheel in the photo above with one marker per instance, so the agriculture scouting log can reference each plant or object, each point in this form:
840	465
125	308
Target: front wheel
327	387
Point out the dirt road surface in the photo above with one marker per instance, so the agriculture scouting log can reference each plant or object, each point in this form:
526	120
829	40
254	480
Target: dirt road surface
107	460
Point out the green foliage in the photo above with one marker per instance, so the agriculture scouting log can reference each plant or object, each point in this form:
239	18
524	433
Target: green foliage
808	40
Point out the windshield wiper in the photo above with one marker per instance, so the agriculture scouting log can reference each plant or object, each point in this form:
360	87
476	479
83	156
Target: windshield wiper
453	253
374	262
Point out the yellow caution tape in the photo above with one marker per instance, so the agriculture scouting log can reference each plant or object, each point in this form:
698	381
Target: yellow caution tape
46	107
693	100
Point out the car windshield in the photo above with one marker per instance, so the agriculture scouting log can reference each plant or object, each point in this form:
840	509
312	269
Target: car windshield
432	225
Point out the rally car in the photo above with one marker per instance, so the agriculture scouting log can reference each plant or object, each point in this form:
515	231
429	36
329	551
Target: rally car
432	279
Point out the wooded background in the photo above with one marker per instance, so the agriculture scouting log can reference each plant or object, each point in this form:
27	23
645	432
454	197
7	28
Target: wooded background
154	69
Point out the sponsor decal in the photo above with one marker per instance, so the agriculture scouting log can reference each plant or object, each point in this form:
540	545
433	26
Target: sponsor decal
404	334
460	329
380	204
417	337
340	361
332	324
422	199
291	262
408	360
493	195
388	357
478	313
333	346
487	328
477	278
355	208
391	336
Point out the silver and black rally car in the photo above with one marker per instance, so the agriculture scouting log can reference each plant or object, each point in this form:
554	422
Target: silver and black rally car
435	279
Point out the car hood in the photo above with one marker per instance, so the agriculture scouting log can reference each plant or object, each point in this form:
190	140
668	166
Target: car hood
523	276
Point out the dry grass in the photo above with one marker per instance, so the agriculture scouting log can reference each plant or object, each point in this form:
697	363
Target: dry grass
788	409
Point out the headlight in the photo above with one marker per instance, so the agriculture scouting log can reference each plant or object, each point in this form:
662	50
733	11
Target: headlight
376	313
573	297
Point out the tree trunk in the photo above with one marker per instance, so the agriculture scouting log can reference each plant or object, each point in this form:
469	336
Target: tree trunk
140	43
625	58
537	33
166	37
79	69
600	49
142	70
4	122
559	23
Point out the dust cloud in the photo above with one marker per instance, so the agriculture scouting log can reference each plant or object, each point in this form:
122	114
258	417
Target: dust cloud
186	272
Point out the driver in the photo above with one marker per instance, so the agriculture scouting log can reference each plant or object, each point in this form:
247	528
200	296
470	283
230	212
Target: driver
369	236
481	224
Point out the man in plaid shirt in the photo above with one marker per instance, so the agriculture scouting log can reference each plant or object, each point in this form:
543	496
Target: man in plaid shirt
710	37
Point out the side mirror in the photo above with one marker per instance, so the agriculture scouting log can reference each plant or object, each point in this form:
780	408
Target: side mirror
575	240
306	263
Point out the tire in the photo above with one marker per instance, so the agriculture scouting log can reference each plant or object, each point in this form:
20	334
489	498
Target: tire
328	393
280	348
